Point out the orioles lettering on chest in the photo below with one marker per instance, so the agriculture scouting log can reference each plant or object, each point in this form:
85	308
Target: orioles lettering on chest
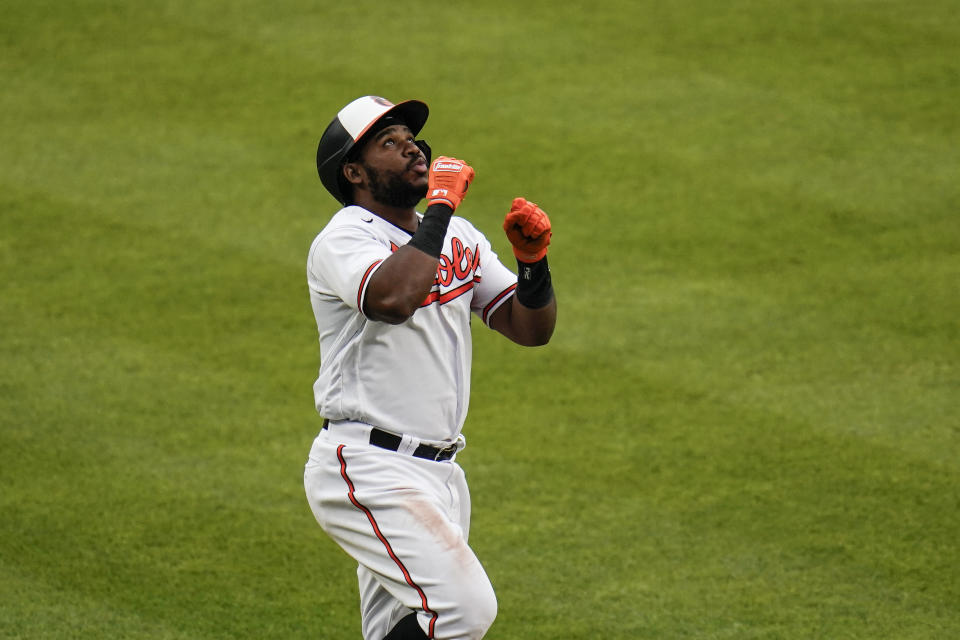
458	270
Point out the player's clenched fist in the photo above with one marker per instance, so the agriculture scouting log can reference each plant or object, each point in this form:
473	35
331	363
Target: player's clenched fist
449	179
528	229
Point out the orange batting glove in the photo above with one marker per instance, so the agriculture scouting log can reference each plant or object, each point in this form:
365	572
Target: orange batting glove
448	182
528	229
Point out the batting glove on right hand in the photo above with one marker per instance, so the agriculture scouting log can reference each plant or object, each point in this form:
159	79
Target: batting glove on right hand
528	229
448	181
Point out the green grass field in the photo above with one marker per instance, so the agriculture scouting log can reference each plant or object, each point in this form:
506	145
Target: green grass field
745	427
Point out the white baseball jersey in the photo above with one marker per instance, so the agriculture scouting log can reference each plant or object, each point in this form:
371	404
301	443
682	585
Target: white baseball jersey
412	378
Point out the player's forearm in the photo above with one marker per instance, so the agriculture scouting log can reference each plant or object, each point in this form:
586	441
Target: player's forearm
400	285
534	327
533	309
525	326
404	280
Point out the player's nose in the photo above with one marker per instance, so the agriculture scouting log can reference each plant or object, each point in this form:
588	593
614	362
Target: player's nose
411	148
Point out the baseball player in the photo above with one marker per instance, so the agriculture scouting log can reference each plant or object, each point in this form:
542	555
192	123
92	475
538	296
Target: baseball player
393	292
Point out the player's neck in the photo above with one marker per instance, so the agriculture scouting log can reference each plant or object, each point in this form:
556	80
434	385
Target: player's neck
403	217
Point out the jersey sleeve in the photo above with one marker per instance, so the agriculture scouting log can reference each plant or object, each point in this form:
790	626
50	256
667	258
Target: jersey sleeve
494	286
342	261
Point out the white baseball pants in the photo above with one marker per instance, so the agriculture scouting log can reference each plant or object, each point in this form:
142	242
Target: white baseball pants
405	521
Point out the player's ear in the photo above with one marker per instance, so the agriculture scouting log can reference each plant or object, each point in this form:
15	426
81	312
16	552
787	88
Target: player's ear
353	173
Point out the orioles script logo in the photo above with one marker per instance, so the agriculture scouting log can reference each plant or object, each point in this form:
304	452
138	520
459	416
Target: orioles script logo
460	266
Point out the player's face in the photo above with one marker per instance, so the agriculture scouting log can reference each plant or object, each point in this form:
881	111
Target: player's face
397	172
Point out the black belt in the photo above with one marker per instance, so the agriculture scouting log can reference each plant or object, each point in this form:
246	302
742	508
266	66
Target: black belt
391	442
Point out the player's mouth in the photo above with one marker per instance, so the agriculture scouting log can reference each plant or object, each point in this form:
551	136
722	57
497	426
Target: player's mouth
419	166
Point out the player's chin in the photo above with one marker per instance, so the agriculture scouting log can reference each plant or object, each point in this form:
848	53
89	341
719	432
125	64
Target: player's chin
419	188
419	179
410	197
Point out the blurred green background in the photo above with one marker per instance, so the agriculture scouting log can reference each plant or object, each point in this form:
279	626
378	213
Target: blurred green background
746	425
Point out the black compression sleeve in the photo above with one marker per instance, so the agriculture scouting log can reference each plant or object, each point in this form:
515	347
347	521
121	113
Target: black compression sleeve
534	287
432	230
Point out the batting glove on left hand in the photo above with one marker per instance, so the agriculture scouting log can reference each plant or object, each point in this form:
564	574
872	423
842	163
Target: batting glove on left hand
528	229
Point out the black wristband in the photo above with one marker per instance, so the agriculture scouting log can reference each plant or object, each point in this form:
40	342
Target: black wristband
534	287
432	230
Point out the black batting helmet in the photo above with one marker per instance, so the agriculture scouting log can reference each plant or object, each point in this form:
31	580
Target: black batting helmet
351	123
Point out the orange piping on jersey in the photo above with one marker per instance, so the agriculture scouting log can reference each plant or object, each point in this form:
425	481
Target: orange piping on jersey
363	284
493	303
386	543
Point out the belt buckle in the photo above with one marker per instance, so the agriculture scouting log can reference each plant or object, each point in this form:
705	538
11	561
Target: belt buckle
446	453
